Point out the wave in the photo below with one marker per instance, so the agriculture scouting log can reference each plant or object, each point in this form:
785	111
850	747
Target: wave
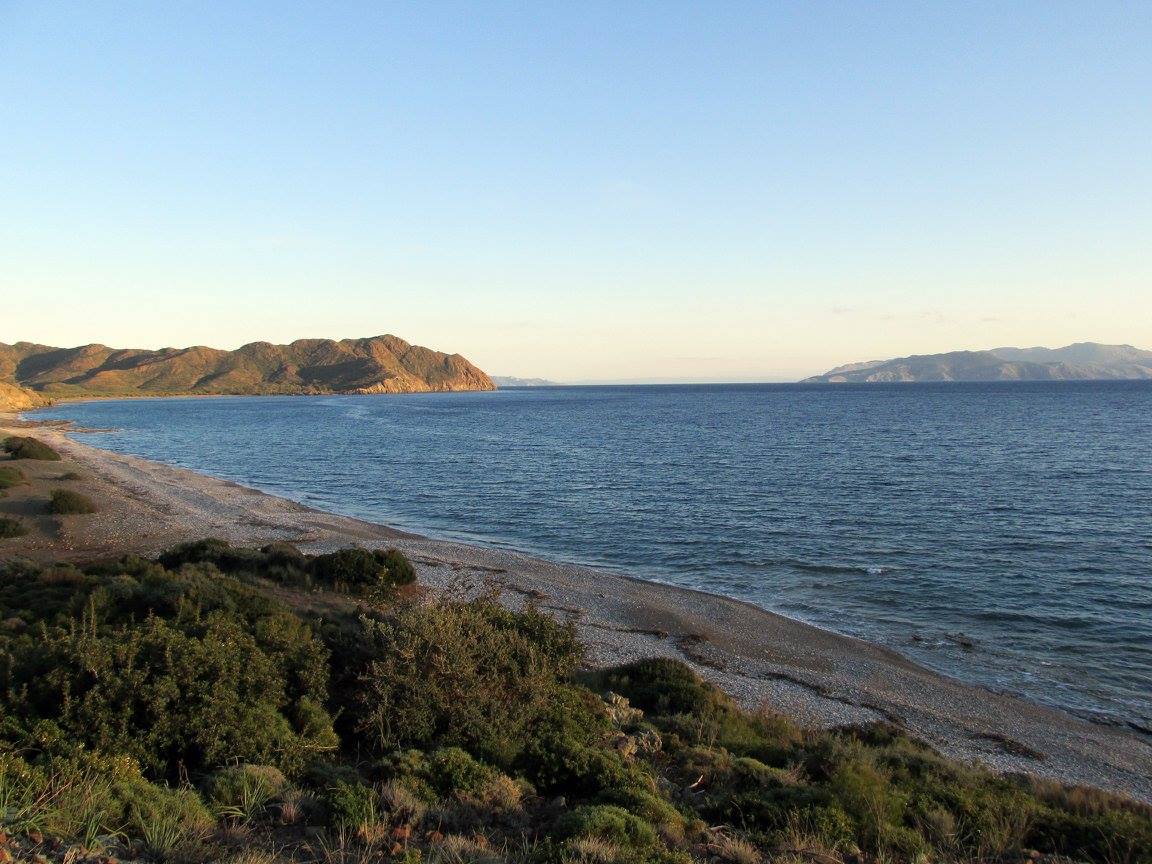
816	567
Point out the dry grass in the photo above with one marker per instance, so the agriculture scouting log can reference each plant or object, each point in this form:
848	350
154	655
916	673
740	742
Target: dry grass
735	849
593	850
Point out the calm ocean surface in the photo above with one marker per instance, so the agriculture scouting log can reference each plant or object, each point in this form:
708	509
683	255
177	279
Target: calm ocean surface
998	532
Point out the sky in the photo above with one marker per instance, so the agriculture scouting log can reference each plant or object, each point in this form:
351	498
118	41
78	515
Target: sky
592	191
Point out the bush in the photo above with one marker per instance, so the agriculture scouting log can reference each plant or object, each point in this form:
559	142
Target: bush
21	447
85	795
11	528
607	822
353	570
454	772
10	476
400	569
473	675
241	792
351	804
188	670
126	670
348	568
65	501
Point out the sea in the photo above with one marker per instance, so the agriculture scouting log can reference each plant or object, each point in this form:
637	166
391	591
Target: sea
1000	533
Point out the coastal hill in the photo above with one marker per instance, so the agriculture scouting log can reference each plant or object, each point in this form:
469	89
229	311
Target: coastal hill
380	364
503	381
13	398
1084	361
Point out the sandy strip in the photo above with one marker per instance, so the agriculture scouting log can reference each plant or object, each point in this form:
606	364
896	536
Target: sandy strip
763	659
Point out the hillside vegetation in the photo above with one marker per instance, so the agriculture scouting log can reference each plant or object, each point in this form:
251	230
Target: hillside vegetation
188	709
381	364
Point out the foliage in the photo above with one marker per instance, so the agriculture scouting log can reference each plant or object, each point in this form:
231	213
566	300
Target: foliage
466	733
65	501
10	476
184	671
608	822
11	528
474	675
86	795
350	570
241	792
22	447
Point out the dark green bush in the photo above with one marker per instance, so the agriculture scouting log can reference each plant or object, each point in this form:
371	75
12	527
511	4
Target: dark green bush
474	675
21	447
188	670
10	476
11	528
65	501
454	772
353	570
351	803
608	822
400	569
348	569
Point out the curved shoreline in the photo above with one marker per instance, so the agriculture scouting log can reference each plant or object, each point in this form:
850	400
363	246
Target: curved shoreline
818	676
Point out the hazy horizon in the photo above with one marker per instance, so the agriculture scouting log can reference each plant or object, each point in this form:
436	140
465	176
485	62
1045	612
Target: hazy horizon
590	193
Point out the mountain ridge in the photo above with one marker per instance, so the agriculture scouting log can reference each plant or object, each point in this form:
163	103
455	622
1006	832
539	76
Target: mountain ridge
377	364
1081	361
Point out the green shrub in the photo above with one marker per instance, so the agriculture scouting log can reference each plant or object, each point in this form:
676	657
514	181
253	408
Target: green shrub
351	804
699	712
354	570
661	685
109	667
412	770
349	569
185	670
84	795
474	675
607	822
454	772
21	447
11	528
65	501
10	476
400	569
241	792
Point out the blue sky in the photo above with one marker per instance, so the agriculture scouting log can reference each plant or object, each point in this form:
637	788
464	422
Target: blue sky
584	191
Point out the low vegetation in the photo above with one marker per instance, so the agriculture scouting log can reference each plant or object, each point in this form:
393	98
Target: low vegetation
10	476
21	447
11	528
64	502
353	571
176	710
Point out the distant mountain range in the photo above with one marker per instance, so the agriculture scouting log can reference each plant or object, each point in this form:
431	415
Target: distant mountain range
512	381
1084	361
380	364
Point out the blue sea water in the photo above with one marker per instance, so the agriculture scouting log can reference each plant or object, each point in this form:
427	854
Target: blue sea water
1001	533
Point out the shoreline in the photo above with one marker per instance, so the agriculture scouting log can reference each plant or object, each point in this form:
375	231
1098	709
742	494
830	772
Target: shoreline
817	676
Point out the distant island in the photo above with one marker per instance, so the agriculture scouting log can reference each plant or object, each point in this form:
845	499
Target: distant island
503	381
32	375
1084	361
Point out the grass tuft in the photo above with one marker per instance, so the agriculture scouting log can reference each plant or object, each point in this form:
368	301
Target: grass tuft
66	502
22	447
10	528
